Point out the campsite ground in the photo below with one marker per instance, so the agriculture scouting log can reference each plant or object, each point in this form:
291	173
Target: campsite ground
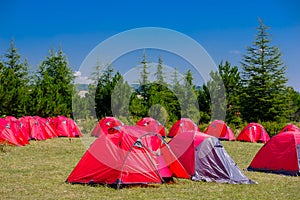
39	171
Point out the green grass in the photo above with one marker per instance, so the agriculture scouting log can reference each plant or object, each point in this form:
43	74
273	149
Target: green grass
39	171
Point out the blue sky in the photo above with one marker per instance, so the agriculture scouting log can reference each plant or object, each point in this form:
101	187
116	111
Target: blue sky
223	28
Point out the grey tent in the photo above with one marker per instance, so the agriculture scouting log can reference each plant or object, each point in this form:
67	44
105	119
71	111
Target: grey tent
205	159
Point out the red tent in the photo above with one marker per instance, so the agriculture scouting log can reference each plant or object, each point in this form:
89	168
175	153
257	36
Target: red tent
11	118
290	127
204	158
10	133
279	155
15	125
127	156
65	127
182	125
25	126
104	124
253	132
40	129
219	129
149	124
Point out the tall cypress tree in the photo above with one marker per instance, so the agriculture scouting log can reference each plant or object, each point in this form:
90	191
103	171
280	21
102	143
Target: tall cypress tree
263	78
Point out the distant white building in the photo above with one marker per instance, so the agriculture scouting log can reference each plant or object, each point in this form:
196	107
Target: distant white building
82	93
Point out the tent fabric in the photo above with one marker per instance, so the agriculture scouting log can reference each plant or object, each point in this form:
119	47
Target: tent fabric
222	168
104	125
65	127
219	129
40	129
128	159
279	155
10	133
205	159
151	125
253	132
290	127
182	125
25	126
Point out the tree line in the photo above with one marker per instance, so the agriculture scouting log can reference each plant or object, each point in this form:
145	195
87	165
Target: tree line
256	91
45	92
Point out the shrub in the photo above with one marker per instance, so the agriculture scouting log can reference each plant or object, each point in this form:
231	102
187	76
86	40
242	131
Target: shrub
273	128
203	126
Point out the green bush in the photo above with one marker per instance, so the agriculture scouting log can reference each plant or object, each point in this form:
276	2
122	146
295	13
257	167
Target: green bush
203	126
273	128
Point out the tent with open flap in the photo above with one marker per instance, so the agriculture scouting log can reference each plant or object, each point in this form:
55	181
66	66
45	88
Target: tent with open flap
104	124
204	158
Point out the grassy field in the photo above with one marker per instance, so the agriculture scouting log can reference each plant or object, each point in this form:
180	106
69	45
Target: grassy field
39	171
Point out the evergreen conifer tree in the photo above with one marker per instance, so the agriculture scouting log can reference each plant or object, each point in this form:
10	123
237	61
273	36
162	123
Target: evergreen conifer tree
14	83
264	82
52	92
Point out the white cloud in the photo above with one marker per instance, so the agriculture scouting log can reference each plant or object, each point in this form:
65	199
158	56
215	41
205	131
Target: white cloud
77	74
81	79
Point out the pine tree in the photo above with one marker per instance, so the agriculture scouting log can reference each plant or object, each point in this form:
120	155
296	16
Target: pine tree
263	79
104	91
14	83
144	73
178	91
294	106
121	98
53	89
139	103
217	96
189	103
2	89
231	80
159	73
204	103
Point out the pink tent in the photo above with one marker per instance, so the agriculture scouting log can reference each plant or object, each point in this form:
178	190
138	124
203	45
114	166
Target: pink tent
254	132
104	124
10	133
149	124
65	127
40	129
290	127
219	129
182	125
